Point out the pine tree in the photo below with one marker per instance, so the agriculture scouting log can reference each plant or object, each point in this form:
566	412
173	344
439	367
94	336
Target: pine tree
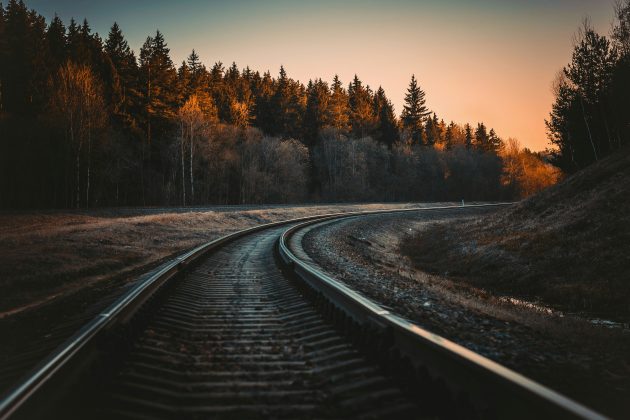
386	127
621	30
56	40
338	108
125	94
414	111
218	90
590	72
159	84
618	109
280	103
17	68
495	144
591	65
316	114
481	137
73	38
289	103
39	61
195	66
184	81
589	116
85	48
362	117
468	136
449	136
432	131
264	95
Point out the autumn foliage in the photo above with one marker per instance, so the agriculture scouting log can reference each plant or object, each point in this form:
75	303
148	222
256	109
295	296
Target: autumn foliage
85	122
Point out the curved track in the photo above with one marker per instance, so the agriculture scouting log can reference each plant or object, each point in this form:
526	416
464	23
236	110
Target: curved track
240	334
235	338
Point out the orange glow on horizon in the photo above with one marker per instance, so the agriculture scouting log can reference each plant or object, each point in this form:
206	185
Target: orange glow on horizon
490	61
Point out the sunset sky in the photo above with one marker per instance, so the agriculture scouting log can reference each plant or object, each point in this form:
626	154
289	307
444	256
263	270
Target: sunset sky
483	60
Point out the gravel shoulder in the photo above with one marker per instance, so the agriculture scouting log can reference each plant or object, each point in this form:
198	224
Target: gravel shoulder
586	362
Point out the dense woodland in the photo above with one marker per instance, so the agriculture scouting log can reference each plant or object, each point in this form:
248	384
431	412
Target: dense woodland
591	114
85	122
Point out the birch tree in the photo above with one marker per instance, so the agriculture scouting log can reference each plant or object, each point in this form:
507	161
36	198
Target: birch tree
77	101
192	123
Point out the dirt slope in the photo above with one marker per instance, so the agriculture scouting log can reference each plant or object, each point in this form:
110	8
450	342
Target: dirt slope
568	246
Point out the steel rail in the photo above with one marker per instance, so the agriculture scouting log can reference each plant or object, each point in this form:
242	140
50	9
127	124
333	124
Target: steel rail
495	390
120	312
124	309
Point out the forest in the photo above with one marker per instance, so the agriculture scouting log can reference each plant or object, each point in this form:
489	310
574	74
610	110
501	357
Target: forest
85	122
590	116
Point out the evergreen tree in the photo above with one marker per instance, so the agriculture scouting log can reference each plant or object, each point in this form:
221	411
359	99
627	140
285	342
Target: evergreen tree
196	70
481	137
591	65
468	136
73	38
159	85
414	111
96	158
387	126
218	90
362	116
316	114
264	112
449	136
583	125
338	108
441	126
432	131
17	67
56	40
85	48
125	94
495	144
289	102
184	80
618	109
280	102
39	61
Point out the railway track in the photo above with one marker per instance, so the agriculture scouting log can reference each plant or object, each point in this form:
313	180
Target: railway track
242	328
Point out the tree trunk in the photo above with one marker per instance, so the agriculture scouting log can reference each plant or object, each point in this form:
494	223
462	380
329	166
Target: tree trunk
603	114
89	162
588	128
181	126
144	203
78	203
78	161
192	184
117	180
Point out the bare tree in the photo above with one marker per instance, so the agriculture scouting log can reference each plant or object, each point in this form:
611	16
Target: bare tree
77	101
192	122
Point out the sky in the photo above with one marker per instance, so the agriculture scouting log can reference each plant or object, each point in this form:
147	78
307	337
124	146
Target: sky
481	60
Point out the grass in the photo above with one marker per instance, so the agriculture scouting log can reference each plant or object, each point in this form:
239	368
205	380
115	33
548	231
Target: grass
568	247
45	255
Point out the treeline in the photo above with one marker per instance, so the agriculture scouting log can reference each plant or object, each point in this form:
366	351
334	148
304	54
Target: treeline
84	122
591	114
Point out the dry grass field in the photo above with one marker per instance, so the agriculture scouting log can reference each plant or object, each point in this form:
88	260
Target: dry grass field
48	255
567	247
